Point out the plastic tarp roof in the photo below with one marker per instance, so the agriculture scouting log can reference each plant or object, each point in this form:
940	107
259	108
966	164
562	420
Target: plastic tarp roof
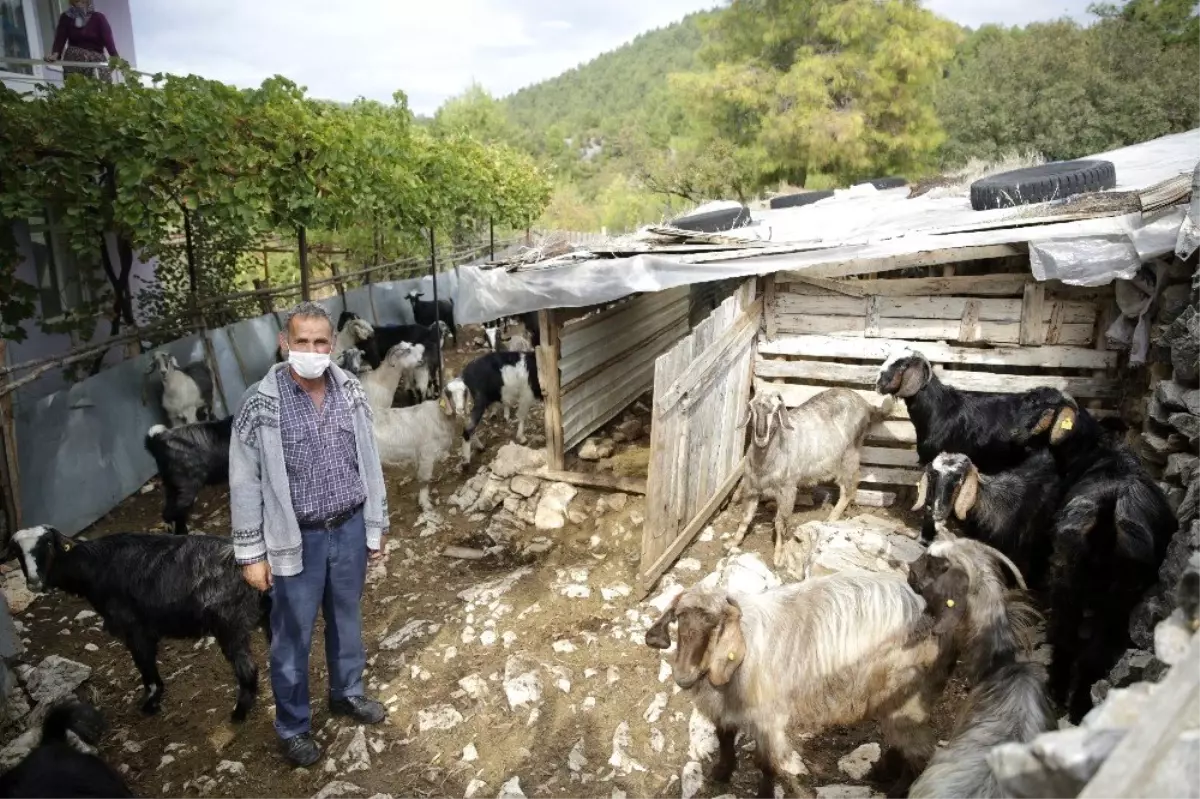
863	223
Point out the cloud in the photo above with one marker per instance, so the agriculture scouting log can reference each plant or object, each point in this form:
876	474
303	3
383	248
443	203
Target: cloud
432	50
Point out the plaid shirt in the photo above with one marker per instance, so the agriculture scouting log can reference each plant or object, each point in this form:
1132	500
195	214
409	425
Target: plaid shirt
319	451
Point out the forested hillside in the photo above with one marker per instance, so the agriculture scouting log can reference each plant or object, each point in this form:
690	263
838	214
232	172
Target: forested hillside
765	94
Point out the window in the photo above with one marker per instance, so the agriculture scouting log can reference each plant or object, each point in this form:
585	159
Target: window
61	276
14	35
48	12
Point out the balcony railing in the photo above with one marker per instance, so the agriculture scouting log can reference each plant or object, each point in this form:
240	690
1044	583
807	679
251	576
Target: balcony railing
51	72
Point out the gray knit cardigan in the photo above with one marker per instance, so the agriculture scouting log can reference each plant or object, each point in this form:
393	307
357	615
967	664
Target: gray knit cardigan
264	524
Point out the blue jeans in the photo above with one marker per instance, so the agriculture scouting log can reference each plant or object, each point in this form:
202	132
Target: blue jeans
335	569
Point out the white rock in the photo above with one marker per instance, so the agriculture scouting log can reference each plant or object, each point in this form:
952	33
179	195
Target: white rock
617	793
688	565
19	748
438	717
450	654
575	760
414	629
589	702
846	792
615	591
357	756
794	765
563	647
165	761
470	753
511	790
487	637
864	544
16	592
593	450
691	779
473	789
858	763
621	760
616	502
84	615
664	671
657	740
91	648
708	534
522	684
702	737
524	486
489	592
1172	637
614	674
742	572
655	710
55	678
575	591
514	458
336	789
233	768
552	507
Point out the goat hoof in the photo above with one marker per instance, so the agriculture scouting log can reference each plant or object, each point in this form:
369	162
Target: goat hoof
239	714
722	772
151	707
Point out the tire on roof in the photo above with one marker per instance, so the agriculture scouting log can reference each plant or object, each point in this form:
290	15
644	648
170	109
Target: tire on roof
1039	184
714	221
797	200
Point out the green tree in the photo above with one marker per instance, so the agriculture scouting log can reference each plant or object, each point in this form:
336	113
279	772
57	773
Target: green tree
837	86
1065	90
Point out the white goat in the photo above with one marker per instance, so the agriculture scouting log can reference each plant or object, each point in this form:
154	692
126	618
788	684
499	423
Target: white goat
355	332
422	435
817	442
380	384
833	650
182	398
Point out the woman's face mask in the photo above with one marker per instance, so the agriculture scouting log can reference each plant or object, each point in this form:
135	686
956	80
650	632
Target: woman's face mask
309	365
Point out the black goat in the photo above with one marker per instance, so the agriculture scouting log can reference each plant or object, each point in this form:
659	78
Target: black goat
510	378
1010	510
426	312
979	425
189	458
55	768
380	343
147	587
1111	532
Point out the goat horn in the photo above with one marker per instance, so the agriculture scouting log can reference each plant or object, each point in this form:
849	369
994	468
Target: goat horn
1000	556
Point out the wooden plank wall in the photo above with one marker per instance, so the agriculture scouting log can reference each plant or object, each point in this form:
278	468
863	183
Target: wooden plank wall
700	388
606	361
982	333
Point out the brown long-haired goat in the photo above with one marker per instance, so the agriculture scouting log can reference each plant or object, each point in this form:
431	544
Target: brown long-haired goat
832	650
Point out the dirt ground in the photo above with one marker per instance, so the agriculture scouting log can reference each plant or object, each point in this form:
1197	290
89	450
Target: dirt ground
596	673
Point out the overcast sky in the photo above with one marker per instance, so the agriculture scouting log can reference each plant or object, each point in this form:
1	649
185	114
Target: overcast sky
433	49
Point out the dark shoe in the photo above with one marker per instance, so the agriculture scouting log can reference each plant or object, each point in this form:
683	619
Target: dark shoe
359	708
300	750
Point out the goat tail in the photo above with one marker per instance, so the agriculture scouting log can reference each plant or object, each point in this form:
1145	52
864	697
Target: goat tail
1144	523
74	716
155	445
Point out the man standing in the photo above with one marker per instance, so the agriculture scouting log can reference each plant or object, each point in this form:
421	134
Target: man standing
309	509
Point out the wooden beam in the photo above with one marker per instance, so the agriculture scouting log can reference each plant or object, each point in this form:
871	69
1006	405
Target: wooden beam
651	573
1033	328
769	306
890	263
939	352
10	473
610	482
548	375
977	286
730	343
830	372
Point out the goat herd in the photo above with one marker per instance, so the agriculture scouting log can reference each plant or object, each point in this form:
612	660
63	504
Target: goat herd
1040	490
147	587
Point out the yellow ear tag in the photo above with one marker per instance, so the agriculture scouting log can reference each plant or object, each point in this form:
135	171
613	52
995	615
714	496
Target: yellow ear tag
949	603
1066	424
732	656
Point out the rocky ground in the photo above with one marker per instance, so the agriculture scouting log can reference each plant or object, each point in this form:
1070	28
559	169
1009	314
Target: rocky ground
520	670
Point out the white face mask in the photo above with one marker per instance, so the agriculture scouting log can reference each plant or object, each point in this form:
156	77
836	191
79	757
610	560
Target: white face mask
309	365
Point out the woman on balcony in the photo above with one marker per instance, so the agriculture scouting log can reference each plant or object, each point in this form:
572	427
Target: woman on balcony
85	33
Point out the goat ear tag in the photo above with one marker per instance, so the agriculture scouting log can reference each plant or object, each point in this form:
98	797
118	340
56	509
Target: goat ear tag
949	603
1067	423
